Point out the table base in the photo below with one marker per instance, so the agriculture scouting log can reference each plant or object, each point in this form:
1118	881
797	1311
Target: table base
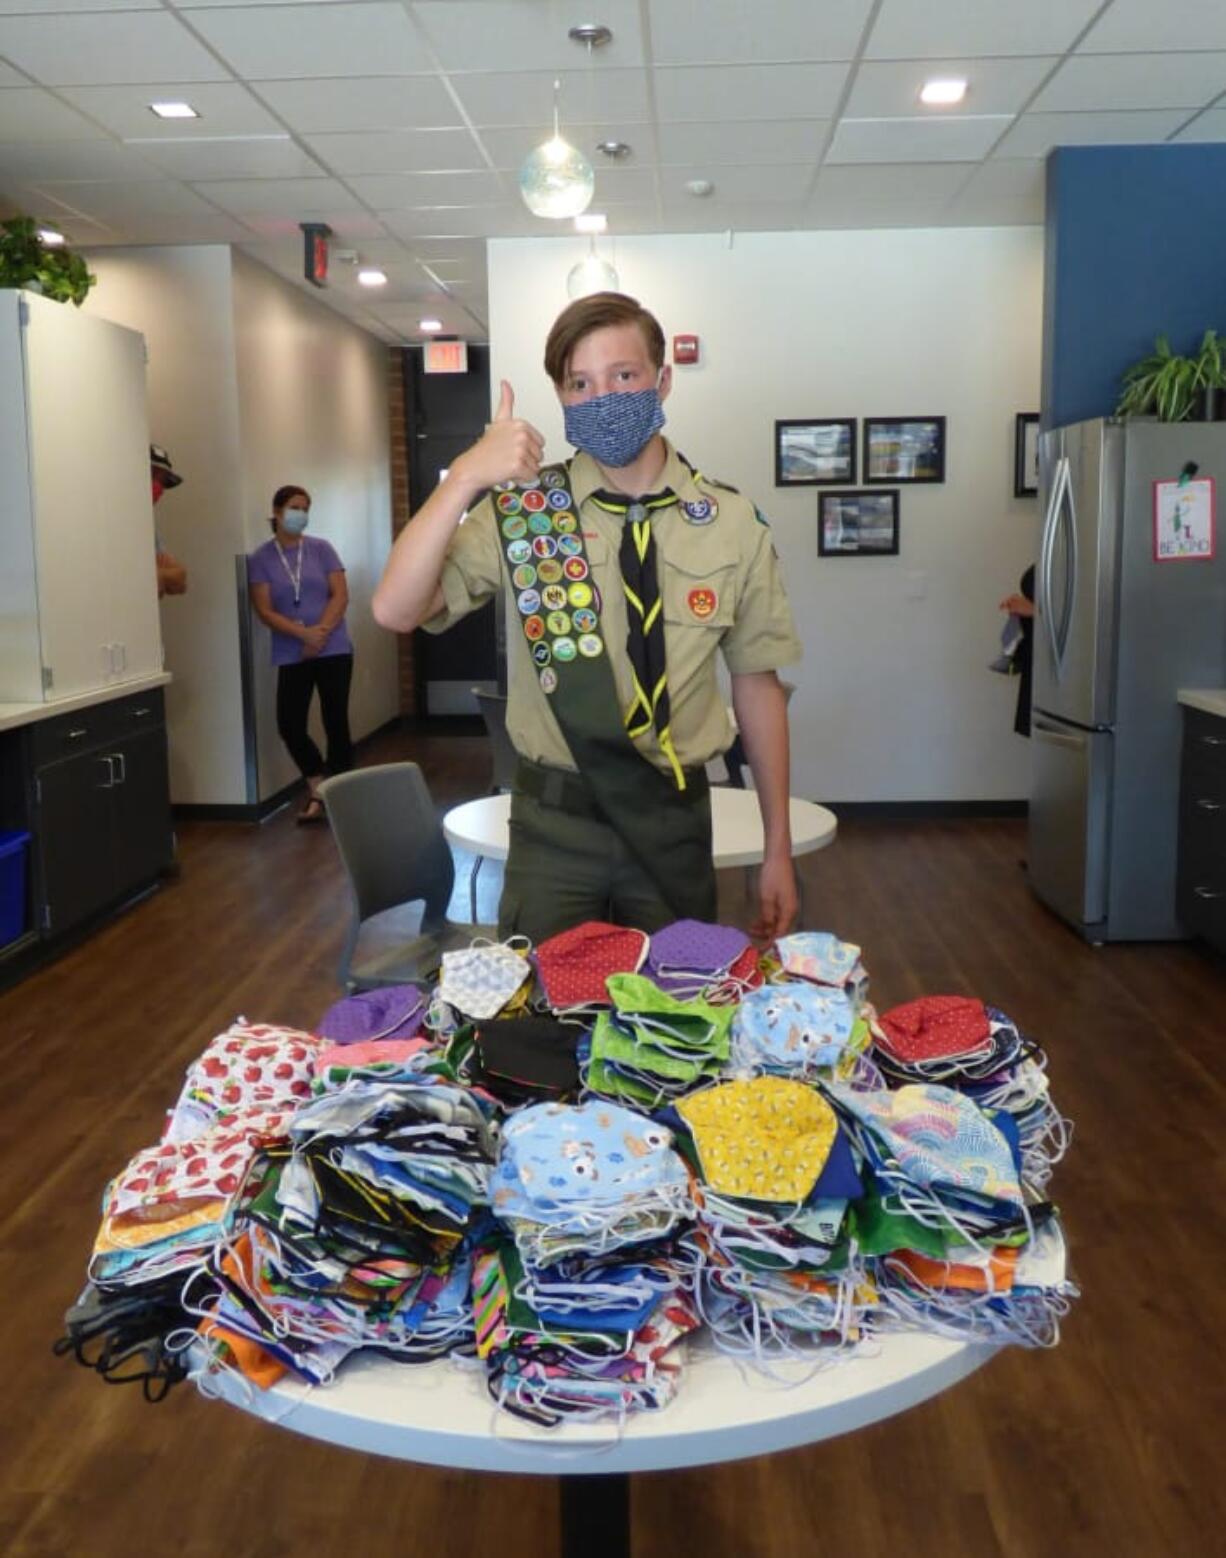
595	1513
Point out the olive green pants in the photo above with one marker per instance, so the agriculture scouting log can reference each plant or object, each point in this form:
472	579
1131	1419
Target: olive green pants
563	869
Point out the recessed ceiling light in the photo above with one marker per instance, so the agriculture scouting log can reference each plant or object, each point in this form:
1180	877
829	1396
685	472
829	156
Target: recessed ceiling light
614	149
429	326
942	91
372	278
594	34
699	187
51	236
174	110
591	222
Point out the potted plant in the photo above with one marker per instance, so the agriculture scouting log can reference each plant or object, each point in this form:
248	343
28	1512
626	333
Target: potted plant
26	261
1163	384
1210	402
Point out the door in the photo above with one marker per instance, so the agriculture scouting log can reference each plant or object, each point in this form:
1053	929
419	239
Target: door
72	829
1070	819
1076	582
140	801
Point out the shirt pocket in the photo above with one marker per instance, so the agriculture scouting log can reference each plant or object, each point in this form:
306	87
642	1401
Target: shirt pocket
700	594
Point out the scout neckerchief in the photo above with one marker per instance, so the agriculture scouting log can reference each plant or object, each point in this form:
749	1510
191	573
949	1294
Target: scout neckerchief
645	618
667	830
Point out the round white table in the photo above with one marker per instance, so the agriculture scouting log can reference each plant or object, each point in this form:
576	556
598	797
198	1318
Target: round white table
442	1415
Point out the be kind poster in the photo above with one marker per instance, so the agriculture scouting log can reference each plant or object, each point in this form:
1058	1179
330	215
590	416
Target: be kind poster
1184	520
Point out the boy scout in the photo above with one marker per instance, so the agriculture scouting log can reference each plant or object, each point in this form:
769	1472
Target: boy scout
625	569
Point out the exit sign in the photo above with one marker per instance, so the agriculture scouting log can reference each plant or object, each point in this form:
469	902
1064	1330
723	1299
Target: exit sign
446	356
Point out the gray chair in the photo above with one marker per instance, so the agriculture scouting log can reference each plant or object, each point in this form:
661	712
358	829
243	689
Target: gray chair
392	846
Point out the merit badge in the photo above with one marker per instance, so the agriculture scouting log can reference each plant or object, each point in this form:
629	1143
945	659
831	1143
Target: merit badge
550	570
508	502
533	500
564	521
575	568
701	512
590	645
564	649
569	546
580	594
528	601
534	629
514	527
544	546
558	623
542	653
540	524
549	679
524	577
553	596
552	479
702	603
558	499
519	551
585	620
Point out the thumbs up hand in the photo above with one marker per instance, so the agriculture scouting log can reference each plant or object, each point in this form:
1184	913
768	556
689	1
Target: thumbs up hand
510	449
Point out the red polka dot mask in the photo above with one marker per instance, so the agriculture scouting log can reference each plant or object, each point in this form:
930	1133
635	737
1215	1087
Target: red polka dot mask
574	965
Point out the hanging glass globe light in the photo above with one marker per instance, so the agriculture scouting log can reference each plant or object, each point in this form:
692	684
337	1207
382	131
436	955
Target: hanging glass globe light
556	180
591	275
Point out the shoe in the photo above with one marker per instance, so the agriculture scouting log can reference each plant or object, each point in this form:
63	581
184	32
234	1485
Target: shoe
312	814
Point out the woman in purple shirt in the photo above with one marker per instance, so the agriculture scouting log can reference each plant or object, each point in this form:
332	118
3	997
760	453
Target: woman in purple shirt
298	588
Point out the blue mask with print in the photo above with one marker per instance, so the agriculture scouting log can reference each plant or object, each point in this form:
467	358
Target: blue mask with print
614	428
791	1030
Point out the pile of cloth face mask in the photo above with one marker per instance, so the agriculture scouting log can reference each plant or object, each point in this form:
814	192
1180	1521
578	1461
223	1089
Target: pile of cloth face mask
558	1162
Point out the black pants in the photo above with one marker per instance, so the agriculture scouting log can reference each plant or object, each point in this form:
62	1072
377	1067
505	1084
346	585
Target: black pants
295	684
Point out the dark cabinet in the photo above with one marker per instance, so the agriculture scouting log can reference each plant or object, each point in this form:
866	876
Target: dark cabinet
1201	881
101	808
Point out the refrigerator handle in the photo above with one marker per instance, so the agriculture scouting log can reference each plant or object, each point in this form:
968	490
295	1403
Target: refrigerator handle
1067	518
1045	554
1055	735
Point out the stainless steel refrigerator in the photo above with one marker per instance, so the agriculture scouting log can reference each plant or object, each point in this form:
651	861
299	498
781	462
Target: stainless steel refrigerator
1116	635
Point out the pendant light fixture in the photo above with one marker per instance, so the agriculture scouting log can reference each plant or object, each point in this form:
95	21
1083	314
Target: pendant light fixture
556	180
591	275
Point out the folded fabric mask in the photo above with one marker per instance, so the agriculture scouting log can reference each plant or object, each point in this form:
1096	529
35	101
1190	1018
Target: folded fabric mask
792	1029
765	1139
574	965
934	1027
690	953
523	1058
818	955
480	980
593	1152
390	1012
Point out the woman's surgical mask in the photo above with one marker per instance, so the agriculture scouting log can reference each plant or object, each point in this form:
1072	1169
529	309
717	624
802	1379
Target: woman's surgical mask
296	520
614	428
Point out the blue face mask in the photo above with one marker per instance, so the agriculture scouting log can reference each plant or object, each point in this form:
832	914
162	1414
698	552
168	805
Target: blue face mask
295	520
614	428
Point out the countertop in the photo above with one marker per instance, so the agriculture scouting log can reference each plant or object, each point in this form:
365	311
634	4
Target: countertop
14	714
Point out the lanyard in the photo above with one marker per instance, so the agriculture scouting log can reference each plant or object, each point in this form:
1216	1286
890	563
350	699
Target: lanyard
295	577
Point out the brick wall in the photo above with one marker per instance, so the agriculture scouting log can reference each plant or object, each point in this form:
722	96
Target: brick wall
401	506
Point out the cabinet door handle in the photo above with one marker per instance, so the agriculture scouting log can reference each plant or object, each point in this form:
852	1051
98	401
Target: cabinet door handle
1209	892
110	773
75	735
1213	741
1209	805
123	656
119	758
141	713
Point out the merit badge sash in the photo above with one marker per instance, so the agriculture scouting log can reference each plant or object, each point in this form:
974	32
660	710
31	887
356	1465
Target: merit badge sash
558	607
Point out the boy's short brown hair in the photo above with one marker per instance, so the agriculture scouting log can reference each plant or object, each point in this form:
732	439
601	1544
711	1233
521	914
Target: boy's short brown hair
597	312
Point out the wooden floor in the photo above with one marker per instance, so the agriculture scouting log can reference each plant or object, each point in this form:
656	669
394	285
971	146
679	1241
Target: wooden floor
1112	1444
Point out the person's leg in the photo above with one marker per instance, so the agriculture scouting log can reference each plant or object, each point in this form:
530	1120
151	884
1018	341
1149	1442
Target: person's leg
333	676
638	901
295	683
558	871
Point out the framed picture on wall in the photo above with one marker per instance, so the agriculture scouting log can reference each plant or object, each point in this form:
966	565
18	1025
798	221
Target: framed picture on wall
857	524
910	449
1026	455
812	454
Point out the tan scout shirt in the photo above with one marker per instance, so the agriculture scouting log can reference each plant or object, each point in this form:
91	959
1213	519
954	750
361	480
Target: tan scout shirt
731	556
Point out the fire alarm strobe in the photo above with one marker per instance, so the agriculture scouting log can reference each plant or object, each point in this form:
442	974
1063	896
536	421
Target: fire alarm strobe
685	348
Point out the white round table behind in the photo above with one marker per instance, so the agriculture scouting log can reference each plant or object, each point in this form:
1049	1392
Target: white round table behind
481	827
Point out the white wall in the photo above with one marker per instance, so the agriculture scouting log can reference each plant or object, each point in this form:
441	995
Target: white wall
180	299
894	698
312	394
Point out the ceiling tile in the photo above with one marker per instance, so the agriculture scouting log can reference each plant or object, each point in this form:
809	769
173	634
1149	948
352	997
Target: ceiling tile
729	31
743	186
928	29
177	229
1001	194
298	198
428	189
964	139
398	151
751	141
504	220
526	97
106	202
92	49
348	227
262	157
10	77
281	41
1145	26
1034	135
731	92
466	251
508	146
996	86
50	7
225	108
73	160
508	35
1209	126
884	195
362	103
32	114
707	216
1097	81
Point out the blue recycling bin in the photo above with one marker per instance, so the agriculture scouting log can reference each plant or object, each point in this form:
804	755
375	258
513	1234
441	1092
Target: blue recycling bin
14	847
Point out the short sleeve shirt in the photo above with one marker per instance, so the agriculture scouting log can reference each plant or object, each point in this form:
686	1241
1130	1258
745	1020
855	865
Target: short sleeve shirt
722	590
278	567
